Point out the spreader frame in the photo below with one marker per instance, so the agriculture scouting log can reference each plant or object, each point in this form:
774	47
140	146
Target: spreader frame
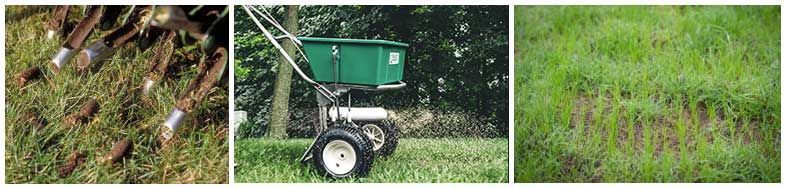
330	93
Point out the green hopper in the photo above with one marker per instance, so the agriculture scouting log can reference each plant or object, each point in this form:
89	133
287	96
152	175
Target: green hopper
362	62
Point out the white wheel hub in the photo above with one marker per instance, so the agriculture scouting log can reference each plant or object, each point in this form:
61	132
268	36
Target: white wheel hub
339	157
375	133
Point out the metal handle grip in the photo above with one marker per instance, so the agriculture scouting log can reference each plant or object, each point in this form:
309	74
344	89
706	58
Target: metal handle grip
391	86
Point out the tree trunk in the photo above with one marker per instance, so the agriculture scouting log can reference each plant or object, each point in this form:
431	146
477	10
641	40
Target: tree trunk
281	89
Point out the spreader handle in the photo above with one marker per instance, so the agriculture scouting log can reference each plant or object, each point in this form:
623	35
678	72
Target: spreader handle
276	44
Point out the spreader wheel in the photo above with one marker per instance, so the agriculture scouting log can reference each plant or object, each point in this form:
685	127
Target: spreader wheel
343	151
384	136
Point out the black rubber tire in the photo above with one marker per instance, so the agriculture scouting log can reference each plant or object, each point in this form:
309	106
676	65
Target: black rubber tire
360	143
391	137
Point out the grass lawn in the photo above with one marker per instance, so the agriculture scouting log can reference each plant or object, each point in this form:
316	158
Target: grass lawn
647	94
32	155
415	160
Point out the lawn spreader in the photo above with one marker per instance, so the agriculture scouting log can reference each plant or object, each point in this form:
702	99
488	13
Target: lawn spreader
348	138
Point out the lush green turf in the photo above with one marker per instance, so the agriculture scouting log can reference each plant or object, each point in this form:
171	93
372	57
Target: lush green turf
647	94
200	155
416	160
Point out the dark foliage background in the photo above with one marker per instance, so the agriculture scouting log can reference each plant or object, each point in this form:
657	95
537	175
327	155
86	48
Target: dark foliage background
456	68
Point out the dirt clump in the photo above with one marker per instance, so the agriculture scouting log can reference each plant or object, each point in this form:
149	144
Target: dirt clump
34	119
118	151
28	75
74	160
84	115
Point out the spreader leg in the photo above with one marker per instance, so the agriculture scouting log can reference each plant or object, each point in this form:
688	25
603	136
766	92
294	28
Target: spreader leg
308	154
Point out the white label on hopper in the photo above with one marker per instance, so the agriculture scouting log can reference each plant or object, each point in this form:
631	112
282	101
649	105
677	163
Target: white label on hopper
393	59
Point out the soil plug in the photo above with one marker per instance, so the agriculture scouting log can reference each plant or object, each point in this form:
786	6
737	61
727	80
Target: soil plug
72	162
85	114
211	71
58	21
106	46
76	38
90	108
118	151
34	119
28	75
74	119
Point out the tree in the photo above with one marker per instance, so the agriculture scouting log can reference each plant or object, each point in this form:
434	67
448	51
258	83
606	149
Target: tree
281	90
